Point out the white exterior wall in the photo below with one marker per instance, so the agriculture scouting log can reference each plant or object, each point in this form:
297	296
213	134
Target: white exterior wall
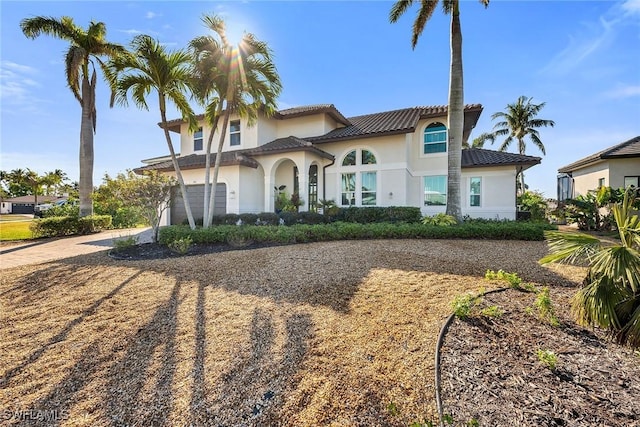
305	126
5	207
251	191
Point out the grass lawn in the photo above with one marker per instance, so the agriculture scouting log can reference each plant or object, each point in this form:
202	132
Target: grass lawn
15	229
337	333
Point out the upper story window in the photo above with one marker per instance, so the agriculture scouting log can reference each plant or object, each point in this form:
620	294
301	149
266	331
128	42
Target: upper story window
368	158
435	139
197	140
234	132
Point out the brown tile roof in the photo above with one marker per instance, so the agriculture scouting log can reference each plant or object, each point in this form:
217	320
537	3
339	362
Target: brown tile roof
197	161
289	113
630	148
479	157
395	122
288	144
306	110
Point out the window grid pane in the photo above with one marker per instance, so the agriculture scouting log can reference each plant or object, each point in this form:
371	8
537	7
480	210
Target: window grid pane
435	190
368	188
368	158
234	132
435	139
197	140
348	189
474	191
350	159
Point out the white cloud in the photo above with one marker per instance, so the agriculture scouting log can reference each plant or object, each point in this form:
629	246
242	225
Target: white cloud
631	7
623	91
16	87
131	32
594	37
151	15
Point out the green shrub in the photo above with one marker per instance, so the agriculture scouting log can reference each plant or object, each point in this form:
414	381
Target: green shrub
122	243
181	246
462	305
547	358
492	311
545	307
439	219
512	278
69	225
349	231
368	215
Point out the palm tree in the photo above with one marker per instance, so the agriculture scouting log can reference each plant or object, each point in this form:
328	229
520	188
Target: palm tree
455	113
610	296
150	67
478	142
519	122
238	79
86	46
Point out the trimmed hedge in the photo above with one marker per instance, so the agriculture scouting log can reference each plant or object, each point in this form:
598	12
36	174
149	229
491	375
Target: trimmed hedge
361	215
57	226
301	233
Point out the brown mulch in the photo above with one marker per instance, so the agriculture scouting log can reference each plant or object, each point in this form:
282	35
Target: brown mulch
491	372
331	334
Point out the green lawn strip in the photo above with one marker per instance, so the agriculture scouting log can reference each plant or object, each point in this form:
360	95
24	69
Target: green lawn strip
14	217
15	230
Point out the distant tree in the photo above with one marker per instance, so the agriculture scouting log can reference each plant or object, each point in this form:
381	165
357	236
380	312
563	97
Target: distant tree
455	113
151	195
23	182
238	79
87	47
478	142
519	122
150	67
54	182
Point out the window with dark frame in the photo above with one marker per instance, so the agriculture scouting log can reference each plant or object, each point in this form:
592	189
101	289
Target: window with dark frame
197	140
234	132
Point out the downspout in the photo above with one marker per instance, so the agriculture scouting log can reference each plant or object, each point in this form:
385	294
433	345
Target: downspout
324	178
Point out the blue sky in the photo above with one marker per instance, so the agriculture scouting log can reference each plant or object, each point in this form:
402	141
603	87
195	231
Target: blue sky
580	57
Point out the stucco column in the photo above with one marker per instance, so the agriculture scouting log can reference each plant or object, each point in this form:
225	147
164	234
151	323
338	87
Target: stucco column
303	187
268	194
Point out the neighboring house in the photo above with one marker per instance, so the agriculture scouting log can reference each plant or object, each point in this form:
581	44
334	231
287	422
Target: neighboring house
616	167
23	204
393	158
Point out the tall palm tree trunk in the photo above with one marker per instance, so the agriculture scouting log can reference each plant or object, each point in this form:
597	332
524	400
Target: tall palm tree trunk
456	118
176	167
207	169
216	167
85	188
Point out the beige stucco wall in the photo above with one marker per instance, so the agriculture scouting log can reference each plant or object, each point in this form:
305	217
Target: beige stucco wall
586	179
619	168
251	190
305	126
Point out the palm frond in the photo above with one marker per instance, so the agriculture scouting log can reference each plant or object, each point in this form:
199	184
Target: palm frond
570	247
621	264
630	332
398	9
596	302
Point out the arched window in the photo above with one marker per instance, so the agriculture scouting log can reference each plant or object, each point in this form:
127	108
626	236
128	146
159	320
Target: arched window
435	139
349	159
359	181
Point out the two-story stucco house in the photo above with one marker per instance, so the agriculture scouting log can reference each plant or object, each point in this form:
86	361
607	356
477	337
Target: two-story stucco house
393	158
617	167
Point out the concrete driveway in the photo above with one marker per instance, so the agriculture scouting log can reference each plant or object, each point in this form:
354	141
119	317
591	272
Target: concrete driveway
38	251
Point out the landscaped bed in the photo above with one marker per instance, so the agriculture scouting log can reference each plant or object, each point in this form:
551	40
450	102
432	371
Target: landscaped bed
332	333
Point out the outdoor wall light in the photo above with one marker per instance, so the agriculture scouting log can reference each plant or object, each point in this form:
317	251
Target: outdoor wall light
391	194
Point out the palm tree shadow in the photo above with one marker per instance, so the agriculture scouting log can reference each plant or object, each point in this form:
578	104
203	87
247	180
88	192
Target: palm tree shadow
129	374
253	388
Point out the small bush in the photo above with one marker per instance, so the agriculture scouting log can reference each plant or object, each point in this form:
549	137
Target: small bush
512	278
439	219
123	243
492	311
545	307
181	246
547	358
462	305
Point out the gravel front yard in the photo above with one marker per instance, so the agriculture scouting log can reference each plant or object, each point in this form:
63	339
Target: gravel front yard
338	333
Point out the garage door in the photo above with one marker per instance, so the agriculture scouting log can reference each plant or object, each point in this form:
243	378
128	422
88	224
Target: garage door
196	200
22	208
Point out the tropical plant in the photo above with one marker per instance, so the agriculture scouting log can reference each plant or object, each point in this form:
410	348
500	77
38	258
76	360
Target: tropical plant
240	79
592	210
151	67
519	122
455	114
534	202
610	295
87	47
